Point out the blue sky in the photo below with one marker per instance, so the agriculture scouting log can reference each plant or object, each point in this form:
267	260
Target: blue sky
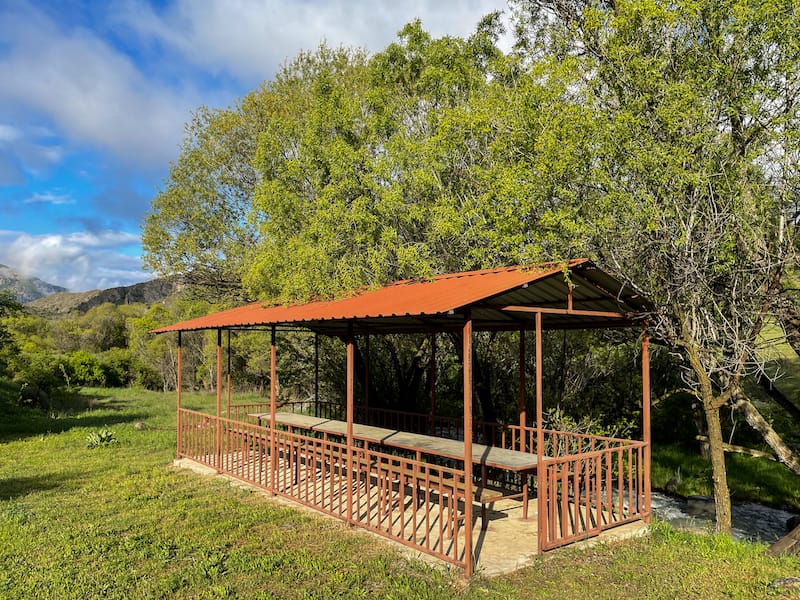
94	97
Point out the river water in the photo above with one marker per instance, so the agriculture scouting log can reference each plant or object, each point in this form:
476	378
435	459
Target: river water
749	521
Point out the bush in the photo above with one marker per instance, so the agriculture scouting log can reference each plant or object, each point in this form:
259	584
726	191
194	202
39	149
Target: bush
82	368
121	368
117	366
39	377
144	376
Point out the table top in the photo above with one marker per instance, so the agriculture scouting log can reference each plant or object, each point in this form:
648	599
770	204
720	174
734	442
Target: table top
491	456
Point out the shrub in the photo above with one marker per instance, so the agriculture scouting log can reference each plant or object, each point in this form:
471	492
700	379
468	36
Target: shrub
117	366
39	377
82	368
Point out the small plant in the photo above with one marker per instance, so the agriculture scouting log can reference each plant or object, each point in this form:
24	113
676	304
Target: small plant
102	438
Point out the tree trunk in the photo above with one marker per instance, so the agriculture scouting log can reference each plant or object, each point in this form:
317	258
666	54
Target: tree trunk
757	422
711	406
722	495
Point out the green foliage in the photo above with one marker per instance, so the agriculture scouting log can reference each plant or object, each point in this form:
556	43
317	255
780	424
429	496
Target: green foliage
8	306
83	368
39	377
199	226
102	438
364	174
119	367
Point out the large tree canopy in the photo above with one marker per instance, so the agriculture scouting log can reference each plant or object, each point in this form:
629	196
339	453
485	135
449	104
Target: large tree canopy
375	174
347	170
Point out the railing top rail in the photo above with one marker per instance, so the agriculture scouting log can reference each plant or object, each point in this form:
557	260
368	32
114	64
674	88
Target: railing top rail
601	438
631	445
196	412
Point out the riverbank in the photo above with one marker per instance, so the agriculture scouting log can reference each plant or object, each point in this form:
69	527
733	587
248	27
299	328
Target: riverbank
750	521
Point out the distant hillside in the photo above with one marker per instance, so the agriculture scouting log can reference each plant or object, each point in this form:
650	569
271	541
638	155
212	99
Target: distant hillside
25	289
149	292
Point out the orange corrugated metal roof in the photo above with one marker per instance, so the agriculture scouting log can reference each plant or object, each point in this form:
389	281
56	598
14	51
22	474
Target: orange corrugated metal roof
440	295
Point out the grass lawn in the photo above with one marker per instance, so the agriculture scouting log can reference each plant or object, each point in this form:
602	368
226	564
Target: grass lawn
118	521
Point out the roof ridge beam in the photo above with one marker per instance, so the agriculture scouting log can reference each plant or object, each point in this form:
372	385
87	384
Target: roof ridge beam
564	311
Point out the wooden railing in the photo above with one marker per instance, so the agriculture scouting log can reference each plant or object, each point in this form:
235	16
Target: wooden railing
413	502
591	483
590	492
325	410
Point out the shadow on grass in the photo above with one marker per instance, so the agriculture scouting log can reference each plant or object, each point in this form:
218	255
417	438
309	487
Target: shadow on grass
14	487
39	424
63	414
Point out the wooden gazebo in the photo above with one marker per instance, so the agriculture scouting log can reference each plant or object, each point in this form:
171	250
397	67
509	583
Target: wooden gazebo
402	478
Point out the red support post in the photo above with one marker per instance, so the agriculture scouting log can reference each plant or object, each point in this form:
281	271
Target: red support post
467	349
229	374
646	419
179	386
366	378
273	395
432	365
541	486
219	401
350	392
523	414
316	374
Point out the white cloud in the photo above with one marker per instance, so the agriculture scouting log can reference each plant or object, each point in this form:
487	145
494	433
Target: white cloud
77	261
90	91
30	148
117	97
250	38
9	133
49	198
135	105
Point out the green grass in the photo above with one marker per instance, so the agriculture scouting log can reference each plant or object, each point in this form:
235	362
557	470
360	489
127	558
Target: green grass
668	564
118	521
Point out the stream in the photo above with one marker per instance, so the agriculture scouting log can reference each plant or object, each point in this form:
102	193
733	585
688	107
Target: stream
750	521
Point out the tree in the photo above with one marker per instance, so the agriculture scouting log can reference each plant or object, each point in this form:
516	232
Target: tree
690	189
8	306
332	175
341	172
367	170
198	227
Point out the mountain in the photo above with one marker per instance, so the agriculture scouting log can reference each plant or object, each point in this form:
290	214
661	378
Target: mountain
25	289
148	292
